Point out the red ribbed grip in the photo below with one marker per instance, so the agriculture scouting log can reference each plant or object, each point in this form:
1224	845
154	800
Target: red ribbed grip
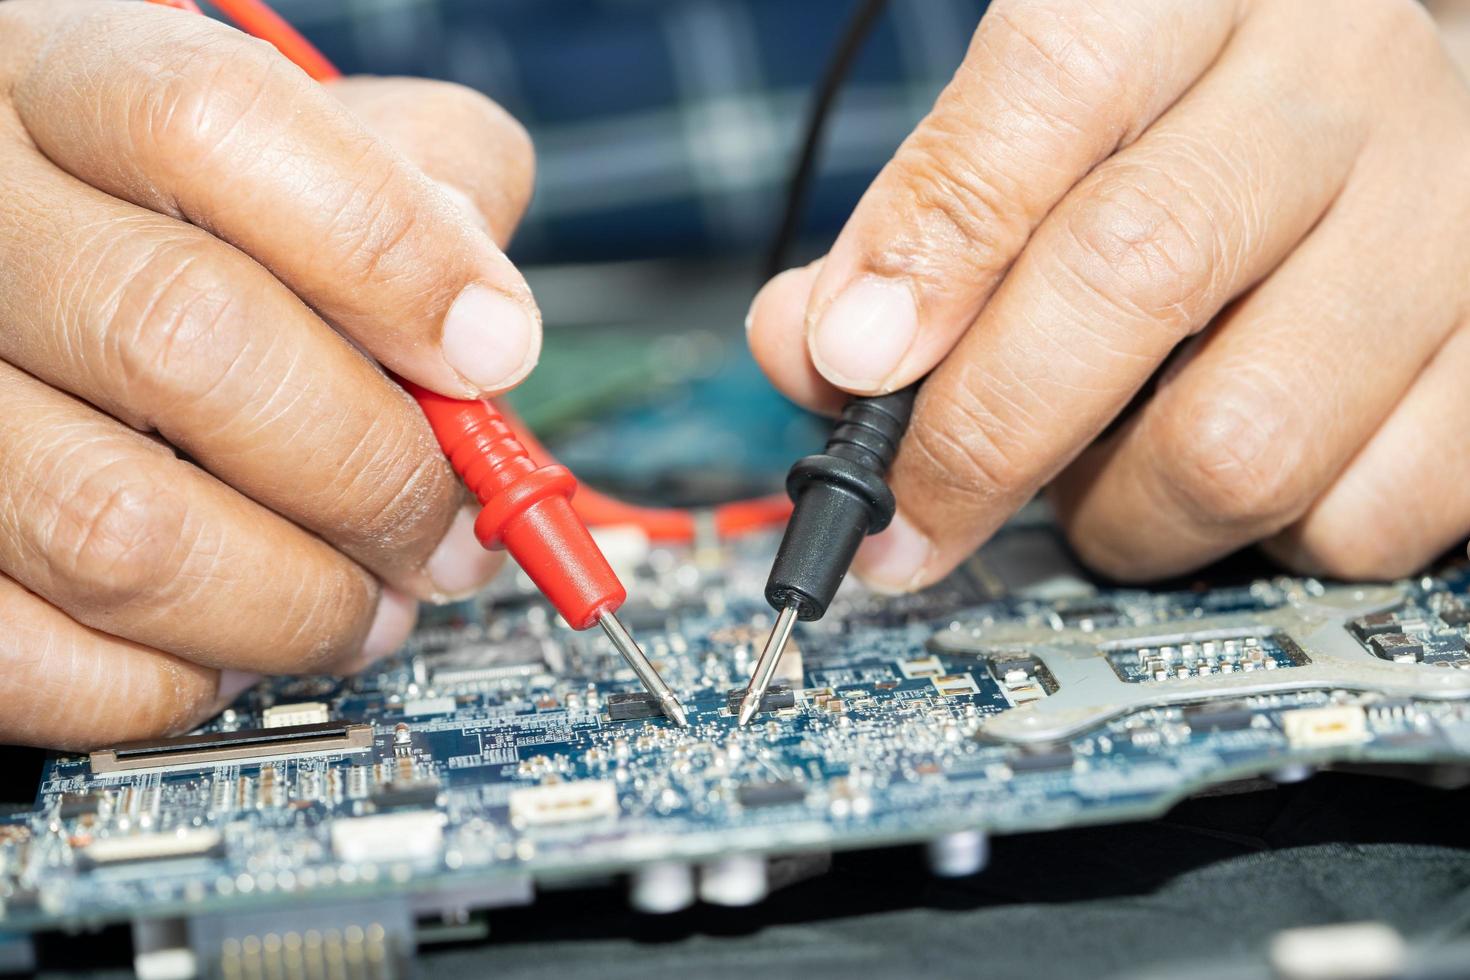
526	509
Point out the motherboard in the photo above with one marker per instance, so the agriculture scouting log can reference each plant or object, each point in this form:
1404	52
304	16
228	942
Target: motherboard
323	827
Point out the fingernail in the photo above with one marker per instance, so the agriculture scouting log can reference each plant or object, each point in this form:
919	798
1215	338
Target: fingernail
461	565
490	339
894	560
232	684
391	625
465	204
861	338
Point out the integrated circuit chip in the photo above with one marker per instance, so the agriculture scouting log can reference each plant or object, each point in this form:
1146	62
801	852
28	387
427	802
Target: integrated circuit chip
1043	759
1397	647
1369	626
421	795
633	706
1219	717
1453	612
777	697
774	793
74	805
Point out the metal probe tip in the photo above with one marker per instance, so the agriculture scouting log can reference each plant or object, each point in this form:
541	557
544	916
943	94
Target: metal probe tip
654	684
765	667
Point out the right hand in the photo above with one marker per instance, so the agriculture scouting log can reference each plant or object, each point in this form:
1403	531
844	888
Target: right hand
193	236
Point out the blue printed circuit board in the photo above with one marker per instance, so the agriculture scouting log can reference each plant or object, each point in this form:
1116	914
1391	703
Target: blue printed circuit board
501	752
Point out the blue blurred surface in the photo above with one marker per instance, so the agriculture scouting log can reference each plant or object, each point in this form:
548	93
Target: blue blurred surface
662	126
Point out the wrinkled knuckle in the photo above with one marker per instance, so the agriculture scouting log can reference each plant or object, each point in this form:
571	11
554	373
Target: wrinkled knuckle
118	540
371	221
400	502
956	448
1143	249
1225	464
337	625
190	700
956	209
1058	55
210	86
176	327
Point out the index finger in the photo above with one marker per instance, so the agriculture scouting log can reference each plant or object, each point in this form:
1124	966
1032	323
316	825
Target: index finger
194	119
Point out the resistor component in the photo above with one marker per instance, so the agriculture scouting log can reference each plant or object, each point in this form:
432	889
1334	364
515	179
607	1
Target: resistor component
221	796
357	782
245	792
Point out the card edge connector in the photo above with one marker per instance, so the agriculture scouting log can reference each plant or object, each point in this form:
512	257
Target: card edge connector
219	748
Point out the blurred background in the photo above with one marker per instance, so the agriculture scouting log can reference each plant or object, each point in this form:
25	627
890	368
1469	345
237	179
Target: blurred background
666	133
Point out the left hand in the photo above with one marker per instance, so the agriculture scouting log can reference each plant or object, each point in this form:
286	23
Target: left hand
1276	188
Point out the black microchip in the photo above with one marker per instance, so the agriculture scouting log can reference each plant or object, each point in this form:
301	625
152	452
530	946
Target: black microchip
1369	626
777	697
1218	718
1094	612
631	707
770	794
75	805
1455	613
416	796
1392	646
1043	759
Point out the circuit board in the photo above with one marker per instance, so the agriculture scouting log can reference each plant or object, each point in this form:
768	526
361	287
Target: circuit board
321	821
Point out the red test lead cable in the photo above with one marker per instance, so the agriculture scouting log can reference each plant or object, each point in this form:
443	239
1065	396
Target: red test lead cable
527	508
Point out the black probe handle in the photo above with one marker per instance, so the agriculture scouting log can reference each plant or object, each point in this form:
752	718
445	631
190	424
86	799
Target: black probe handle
840	497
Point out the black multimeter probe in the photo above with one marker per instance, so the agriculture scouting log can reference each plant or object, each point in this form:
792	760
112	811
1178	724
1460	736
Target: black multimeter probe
840	496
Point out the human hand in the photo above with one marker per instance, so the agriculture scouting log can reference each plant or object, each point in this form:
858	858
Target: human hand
190	227
1275	189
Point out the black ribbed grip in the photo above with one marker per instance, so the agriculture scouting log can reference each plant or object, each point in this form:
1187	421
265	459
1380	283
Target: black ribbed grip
840	497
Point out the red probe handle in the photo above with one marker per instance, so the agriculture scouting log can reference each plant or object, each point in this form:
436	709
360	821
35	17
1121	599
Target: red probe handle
526	509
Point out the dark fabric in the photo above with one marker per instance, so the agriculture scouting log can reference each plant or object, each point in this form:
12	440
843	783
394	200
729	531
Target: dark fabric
1205	887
